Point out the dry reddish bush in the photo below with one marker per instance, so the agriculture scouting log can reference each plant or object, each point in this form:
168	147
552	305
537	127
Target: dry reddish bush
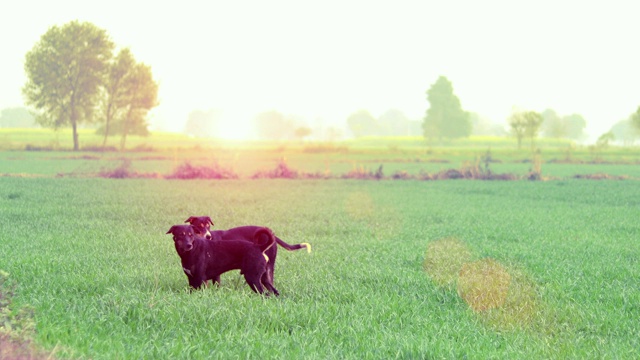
363	174
188	171
281	171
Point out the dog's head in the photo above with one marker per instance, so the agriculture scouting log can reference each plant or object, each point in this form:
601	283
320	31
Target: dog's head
183	237
201	225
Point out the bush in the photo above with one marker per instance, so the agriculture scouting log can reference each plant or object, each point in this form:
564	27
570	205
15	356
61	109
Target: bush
96	148
121	172
282	171
188	171
364	174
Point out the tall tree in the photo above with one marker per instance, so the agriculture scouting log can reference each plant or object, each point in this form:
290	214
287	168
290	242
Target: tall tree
533	121
394	123
114	97
570	127
64	71
129	93
445	117
362	123
635	119
517	126
575	125
625	131
554	125
141	95
274	125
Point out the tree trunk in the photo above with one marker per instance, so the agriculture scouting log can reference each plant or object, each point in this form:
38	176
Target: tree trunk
74	126
106	134
106	127
122	141
75	136
125	128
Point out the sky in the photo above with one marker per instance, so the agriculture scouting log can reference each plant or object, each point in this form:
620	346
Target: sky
323	60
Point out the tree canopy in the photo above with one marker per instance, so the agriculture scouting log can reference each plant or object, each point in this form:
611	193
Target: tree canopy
362	123
525	124
635	119
71	73
273	125
556	126
394	122
65	70
445	117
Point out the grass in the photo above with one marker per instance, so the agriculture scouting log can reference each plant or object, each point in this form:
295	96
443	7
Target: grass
91	259
400	269
246	162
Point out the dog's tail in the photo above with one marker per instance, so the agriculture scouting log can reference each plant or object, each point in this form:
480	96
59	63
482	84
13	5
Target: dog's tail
264	238
291	247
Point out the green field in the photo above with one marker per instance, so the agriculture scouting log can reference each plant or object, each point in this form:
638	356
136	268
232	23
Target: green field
404	269
92	262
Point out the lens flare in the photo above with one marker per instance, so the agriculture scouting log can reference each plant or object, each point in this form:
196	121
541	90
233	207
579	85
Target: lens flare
444	259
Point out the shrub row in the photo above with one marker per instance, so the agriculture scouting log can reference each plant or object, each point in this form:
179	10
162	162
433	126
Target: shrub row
284	171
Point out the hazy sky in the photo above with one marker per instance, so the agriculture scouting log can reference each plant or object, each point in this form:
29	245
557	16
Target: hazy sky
326	59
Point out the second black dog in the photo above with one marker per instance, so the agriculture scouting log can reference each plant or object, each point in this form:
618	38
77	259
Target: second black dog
204	260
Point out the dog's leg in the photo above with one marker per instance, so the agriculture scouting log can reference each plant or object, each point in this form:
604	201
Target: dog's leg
195	282
254	283
271	264
269	284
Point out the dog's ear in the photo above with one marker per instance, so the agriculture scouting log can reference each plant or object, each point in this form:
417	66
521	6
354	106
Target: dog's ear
189	219
209	220
171	230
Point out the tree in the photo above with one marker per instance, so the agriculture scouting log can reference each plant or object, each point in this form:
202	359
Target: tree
533	121
604	140
570	127
130	93
114	97
302	132
393	123
445	117
64	71
142	96
635	119
554	125
517	126
625	131
575	126
525	124
362	123
273	125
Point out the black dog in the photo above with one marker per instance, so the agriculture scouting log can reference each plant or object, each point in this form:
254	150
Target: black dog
203	223
203	260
